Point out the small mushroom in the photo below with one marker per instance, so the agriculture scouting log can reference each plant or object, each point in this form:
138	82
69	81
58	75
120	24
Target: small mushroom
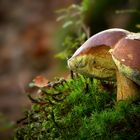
126	55
111	54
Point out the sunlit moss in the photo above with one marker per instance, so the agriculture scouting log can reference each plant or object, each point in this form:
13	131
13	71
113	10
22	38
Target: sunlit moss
86	112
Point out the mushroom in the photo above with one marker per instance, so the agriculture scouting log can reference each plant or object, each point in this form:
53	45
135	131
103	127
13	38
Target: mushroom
111	54
126	56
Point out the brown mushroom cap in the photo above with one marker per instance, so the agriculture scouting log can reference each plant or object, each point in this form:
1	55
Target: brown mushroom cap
126	55
105	38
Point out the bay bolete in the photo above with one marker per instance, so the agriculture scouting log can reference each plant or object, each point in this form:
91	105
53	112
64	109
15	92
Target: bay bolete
111	54
126	55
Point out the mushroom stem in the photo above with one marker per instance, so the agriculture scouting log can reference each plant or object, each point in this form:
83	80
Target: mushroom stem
126	88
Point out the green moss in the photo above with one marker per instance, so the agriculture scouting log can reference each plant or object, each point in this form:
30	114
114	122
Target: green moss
79	110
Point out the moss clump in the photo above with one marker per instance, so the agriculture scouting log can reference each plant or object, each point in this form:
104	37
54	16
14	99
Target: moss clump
80	109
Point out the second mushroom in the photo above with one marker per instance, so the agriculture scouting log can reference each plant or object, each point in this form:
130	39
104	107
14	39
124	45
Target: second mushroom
111	54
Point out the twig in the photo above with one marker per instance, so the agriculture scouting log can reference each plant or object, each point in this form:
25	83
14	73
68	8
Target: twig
72	75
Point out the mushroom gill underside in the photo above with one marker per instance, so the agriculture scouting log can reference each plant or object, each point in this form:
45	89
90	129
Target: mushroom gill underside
101	68
98	66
